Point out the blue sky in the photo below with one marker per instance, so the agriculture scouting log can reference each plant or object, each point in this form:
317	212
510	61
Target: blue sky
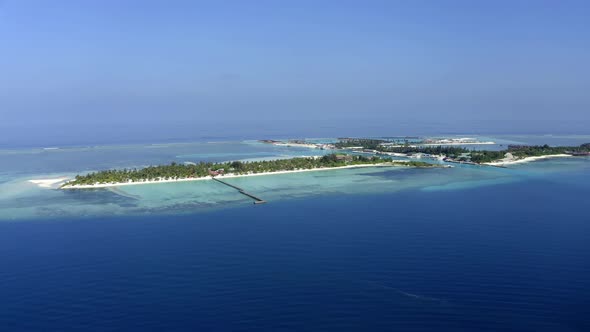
166	69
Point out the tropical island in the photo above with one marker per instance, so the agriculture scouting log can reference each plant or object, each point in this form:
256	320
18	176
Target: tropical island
175	172
390	141
513	153
455	153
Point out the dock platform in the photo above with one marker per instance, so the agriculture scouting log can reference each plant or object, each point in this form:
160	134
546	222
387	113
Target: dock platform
257	200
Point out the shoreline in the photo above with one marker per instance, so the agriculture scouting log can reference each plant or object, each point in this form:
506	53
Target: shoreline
229	176
458	143
48	183
525	160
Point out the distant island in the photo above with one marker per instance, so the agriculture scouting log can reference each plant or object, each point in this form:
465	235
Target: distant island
191	172
349	153
390	142
448	150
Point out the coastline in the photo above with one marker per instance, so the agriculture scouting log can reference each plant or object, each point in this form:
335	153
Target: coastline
48	183
458	143
229	176
525	160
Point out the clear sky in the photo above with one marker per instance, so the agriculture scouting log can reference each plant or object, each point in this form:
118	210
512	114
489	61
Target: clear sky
166	69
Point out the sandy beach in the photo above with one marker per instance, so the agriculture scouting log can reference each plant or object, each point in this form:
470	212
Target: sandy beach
505	162
297	145
226	176
459	143
49	183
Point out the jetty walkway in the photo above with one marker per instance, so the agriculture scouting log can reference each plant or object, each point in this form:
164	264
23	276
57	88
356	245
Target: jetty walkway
257	200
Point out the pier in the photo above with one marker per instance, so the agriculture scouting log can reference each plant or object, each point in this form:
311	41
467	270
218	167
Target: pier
257	200
499	166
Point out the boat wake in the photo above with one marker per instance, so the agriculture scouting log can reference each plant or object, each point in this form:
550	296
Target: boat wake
410	295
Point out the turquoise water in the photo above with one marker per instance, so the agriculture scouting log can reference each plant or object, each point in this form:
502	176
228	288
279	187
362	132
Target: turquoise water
20	199
372	249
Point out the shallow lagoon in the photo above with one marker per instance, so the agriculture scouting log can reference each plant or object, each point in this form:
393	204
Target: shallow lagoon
461	249
20	199
509	256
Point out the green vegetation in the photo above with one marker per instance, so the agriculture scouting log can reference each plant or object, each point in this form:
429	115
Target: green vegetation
449	151
376	144
485	156
463	154
543	150
416	164
523	151
366	143
182	171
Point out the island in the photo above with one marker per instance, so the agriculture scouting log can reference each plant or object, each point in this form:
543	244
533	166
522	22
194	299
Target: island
390	141
175	172
452	150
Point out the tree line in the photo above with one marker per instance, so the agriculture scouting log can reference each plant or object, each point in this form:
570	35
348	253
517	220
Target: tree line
458	152
186	171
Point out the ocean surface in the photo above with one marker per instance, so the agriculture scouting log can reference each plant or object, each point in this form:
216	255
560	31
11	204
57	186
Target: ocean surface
371	249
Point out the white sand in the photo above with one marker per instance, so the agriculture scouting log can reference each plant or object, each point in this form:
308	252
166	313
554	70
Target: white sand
297	145
507	161
460	143
49	183
227	176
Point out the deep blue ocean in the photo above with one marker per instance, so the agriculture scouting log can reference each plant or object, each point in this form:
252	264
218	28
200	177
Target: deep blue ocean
504	257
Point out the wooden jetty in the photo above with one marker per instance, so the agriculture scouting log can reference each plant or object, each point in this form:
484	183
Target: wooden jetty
499	166
257	200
